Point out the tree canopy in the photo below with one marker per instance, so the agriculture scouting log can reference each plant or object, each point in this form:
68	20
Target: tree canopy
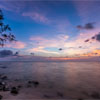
5	31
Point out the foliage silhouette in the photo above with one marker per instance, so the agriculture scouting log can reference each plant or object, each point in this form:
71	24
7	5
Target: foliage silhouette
5	32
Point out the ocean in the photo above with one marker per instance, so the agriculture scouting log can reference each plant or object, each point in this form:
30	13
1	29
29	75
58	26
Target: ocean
56	79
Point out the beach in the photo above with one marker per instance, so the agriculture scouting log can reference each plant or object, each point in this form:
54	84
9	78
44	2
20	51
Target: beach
50	80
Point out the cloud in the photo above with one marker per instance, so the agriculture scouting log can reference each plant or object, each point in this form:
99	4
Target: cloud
4	53
70	46
86	40
57	41
96	52
40	44
92	53
36	38
96	37
14	6
17	45
28	9
87	26
41	51
38	17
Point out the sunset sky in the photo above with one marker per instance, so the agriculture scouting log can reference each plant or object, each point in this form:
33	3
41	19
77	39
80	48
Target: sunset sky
54	28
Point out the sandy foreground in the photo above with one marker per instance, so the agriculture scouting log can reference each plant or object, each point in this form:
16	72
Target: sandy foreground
13	87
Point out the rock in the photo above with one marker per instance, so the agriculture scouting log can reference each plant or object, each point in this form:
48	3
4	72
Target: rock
4	77
2	86
0	83
14	90
19	86
3	67
6	88
35	83
1	97
30	82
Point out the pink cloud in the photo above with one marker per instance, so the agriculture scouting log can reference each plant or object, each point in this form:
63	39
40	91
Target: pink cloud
50	42
17	45
38	17
37	38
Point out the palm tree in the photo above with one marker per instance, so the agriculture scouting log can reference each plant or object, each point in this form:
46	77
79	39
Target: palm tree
5	32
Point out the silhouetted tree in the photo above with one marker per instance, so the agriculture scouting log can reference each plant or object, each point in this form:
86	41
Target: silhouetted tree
32	54
5	32
16	53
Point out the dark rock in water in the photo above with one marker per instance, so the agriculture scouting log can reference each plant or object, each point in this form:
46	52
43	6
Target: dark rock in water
14	90
95	95
3	67
35	83
2	86
30	82
1	76
1	97
60	94
4	77
19	86
0	83
6	88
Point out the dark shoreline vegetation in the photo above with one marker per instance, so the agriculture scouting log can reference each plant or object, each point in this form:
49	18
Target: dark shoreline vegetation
7	86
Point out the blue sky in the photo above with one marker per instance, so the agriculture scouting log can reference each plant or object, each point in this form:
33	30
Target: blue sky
42	27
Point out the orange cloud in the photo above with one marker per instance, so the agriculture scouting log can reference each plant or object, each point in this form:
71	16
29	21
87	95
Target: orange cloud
97	52
93	53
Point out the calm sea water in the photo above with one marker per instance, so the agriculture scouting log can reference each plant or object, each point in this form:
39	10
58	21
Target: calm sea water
73	79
